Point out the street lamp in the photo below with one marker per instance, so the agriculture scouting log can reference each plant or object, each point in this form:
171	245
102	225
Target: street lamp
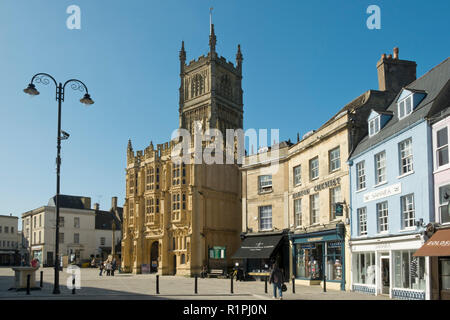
75	84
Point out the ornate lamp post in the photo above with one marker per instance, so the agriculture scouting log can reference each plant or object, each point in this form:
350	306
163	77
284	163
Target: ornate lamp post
44	78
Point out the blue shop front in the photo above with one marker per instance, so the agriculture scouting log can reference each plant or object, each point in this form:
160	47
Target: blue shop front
318	255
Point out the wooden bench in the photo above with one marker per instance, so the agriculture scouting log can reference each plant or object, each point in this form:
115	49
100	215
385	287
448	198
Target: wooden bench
215	273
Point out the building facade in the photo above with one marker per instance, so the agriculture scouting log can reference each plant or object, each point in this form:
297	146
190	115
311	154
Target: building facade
178	215
309	194
392	192
78	237
9	240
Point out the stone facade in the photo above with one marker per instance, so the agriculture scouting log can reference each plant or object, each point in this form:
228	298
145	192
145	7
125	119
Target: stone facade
173	213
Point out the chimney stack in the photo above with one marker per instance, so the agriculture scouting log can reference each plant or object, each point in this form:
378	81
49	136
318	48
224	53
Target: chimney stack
114	203
96	206
393	73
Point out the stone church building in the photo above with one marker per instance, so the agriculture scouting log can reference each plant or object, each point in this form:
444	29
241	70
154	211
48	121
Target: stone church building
181	217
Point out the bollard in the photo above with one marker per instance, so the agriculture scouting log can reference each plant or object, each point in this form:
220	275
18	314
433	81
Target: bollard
293	284
42	279
231	283
265	284
73	283
195	285
28	283
157	284
324	283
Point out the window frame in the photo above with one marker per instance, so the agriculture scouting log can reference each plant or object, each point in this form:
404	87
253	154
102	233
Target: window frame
404	108
362	223
406	221
331	160
361	183
267	187
297	175
442	147
376	126
297	212
334	201
409	158
314	210
377	168
316	168
382	221
262	223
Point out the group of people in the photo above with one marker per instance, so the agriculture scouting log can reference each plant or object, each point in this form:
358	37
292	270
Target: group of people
109	266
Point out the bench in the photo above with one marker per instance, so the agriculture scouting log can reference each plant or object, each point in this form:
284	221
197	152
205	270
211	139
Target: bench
215	273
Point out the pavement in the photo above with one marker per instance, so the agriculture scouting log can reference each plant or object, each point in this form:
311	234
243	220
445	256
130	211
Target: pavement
143	287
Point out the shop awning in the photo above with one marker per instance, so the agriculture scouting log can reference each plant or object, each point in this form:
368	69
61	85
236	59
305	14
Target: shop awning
437	246
259	247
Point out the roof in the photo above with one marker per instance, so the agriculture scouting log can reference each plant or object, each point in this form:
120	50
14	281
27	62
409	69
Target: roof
434	83
66	201
104	219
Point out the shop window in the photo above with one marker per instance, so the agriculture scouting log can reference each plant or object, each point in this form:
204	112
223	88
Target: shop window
334	261
309	260
409	271
445	273
365	268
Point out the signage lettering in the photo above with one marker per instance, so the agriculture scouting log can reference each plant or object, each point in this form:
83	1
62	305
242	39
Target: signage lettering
321	186
383	193
439	243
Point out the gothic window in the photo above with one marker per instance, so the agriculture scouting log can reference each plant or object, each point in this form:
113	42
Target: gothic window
225	86
150	179
197	85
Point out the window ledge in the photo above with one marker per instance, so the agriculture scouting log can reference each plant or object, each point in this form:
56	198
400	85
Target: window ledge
335	170
361	190
265	192
380	184
314	179
406	174
408	229
382	233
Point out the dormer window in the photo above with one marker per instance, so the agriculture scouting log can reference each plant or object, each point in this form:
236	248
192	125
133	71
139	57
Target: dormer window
374	126
405	107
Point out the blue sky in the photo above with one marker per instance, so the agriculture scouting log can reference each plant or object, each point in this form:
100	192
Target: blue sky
303	61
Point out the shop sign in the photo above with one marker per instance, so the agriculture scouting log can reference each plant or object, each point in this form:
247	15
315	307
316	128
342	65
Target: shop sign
334	244
383	193
308	246
321	186
439	243
315	239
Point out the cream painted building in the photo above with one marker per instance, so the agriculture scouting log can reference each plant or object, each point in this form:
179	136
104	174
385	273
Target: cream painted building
78	236
181	217
9	240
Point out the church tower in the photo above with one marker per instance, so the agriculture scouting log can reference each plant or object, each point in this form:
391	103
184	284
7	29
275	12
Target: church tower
211	90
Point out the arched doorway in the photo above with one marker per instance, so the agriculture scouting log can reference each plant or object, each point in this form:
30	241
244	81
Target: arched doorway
154	257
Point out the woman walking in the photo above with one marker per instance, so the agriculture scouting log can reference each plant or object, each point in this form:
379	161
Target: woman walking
276	277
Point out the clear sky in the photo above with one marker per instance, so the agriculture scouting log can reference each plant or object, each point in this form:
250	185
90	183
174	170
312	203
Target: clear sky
303	61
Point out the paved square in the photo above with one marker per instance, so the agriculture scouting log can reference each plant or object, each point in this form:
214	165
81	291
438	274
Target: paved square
143	287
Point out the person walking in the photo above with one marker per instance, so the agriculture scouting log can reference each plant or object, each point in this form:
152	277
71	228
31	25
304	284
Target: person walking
113	266
108	268
276	278
102	267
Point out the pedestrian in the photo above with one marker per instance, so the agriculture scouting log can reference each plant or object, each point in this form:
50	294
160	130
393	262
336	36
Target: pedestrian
276	278
34	263
113	266
102	266
108	268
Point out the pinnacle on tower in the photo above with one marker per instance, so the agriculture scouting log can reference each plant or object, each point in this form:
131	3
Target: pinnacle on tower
130	147
239	58
212	39
182	52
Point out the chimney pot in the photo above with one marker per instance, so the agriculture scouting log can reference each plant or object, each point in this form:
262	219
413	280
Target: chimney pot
396	53
96	206
114	203
389	56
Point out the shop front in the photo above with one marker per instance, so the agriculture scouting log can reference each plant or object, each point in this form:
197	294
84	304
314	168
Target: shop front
437	248
258	253
387	266
320	256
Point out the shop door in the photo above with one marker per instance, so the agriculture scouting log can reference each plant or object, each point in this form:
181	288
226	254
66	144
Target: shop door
385	271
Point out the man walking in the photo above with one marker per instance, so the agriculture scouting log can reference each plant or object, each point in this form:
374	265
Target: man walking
276	278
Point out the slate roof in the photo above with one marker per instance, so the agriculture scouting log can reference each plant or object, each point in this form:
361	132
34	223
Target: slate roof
435	84
104	219
66	201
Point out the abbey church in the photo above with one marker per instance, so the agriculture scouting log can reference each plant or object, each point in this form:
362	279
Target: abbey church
181	217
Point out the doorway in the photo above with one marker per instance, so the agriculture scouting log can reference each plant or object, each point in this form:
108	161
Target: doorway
50	259
154	257
385	275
